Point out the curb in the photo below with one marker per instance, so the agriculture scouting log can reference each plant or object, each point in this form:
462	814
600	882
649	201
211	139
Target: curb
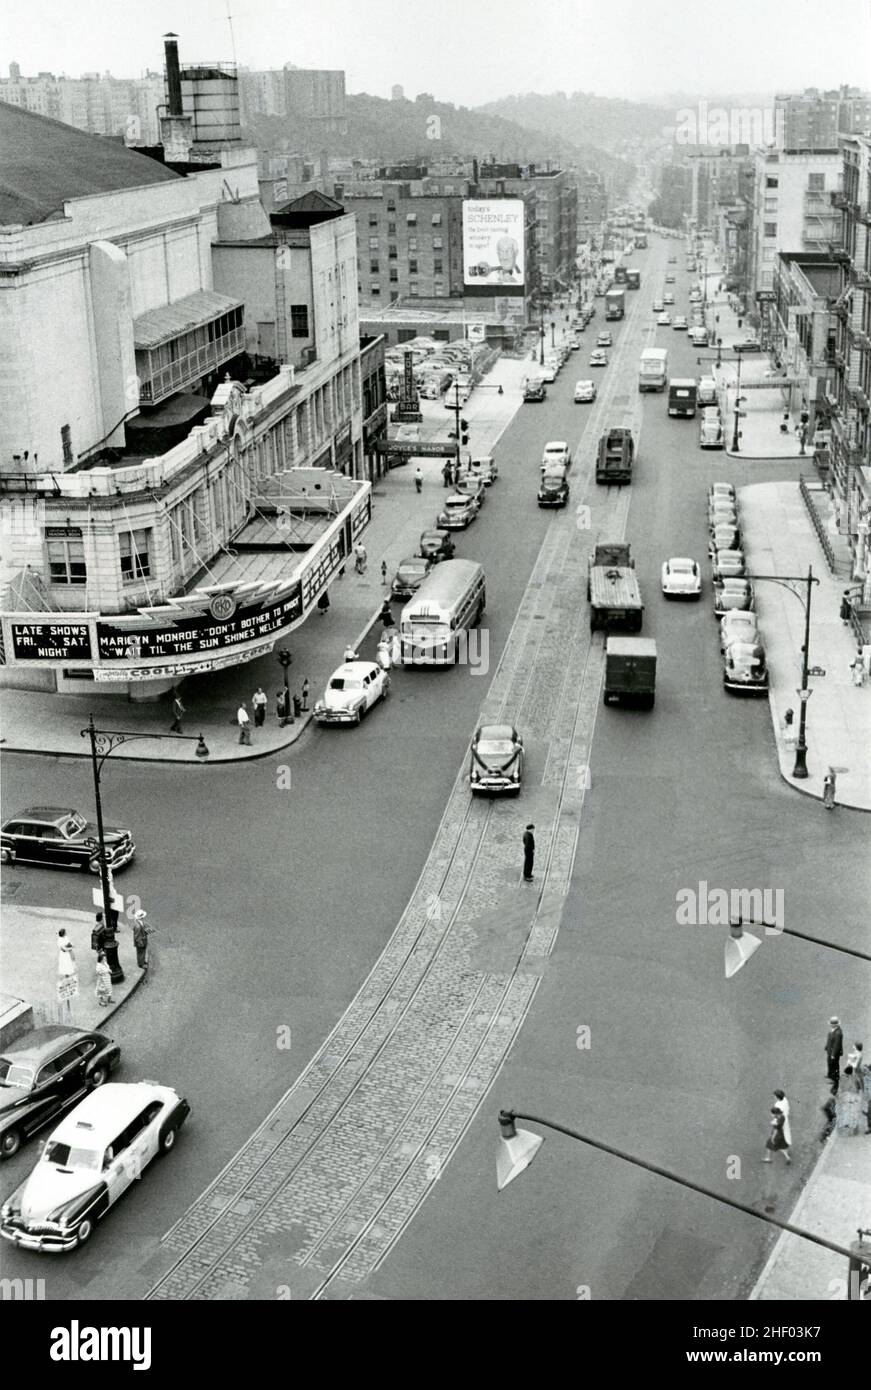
753	1296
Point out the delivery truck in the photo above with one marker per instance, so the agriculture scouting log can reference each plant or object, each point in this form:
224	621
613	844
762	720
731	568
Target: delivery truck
615	303
653	369
682	396
630	671
612	589
615	457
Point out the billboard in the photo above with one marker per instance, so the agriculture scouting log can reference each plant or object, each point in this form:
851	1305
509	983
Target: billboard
494	248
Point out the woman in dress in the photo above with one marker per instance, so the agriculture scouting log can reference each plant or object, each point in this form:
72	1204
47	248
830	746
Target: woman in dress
782	1104
66	956
776	1143
104	980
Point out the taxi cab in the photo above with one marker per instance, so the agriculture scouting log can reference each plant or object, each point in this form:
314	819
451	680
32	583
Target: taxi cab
90	1160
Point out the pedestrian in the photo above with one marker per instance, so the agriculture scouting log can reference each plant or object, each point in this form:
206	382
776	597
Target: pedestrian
305	690
98	933
104	980
177	711
350	654
528	853
829	782
782	1104
849	1103
259	702
382	654
784	424
324	600
863	1072
140	938
846	607
244	722
281	706
66	956
395	649
776	1141
447	470
110	948
857	666
834	1052
385	617
418	478
383	571
360	558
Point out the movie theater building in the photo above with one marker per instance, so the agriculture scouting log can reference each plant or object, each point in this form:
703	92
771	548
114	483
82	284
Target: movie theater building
180	477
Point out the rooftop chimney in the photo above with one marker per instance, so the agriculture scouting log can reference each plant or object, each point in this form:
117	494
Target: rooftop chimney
173	74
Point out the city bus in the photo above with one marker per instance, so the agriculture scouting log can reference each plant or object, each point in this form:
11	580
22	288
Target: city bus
433	624
633	279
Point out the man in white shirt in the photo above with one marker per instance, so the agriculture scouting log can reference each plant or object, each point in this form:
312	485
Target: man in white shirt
244	723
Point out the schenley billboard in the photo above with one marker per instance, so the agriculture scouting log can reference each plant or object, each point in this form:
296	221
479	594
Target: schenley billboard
494	251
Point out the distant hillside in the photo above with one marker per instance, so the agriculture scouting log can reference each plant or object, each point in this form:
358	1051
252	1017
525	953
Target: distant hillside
405	131
583	118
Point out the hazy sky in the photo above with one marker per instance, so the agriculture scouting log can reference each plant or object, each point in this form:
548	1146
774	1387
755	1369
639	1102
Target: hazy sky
466	51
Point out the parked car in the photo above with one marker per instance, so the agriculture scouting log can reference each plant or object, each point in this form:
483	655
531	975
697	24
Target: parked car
723	536
437	544
56	837
748	345
598	358
496	759
96	1152
352	690
681	578
730	594
695	296
698	336
471	485
707	391
549	371
409	576
486	468
585	392
45	1071
738	626
729	564
711	429
458	512
721	490
745	668
574	342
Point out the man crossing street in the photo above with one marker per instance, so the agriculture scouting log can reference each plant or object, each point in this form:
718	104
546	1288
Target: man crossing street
528	853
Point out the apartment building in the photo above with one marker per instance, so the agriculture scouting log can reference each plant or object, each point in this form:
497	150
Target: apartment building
792	208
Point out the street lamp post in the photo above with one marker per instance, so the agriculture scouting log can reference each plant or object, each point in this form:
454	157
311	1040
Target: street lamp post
736	433
786	581
284	659
103	743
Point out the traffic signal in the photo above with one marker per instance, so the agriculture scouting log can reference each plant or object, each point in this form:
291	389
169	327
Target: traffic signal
284	656
464	431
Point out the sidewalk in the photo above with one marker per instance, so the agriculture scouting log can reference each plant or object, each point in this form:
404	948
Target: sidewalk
780	540
28	946
43	723
835	1202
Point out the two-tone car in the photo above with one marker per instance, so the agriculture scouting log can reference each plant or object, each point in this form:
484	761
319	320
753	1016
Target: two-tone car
44	1072
585	392
599	358
56	837
410	574
471	485
733	594
738	626
723	536
458	511
745	668
96	1152
681	578
721	490
352	690
437	544
496	759
711	429
604	338
486	468
729	564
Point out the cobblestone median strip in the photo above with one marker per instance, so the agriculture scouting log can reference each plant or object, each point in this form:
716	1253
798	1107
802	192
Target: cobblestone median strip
345	1159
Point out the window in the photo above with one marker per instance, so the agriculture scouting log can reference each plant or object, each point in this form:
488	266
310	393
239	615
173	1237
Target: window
412	267
412	243
437	243
135	561
771	181
411	219
374	267
437	267
436	219
771	205
769	229
816	183
373	219
374	289
66	443
299	321
373	243
391	229
66	562
438	287
413	290
394	275
391	204
391	253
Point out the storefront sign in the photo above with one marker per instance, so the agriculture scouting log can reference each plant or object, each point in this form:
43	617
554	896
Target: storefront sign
189	668
190	636
51	641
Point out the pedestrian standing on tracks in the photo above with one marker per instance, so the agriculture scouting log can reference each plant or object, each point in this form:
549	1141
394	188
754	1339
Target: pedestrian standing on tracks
776	1141
834	1052
528	853
259	702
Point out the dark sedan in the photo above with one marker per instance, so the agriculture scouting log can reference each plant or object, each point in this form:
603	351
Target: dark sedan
436	545
553	492
60	838
410	575
43	1072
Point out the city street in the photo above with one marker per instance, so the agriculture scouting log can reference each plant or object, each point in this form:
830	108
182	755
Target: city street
274	903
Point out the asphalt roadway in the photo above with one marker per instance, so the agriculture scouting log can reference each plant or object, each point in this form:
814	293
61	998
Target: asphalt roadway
273	903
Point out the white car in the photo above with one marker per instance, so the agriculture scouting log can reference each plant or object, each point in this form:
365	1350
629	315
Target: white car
680	322
681	578
352	690
698	336
658	306
97	1151
711	429
585	391
663	319
557	451
487	469
549	371
668	299
458	511
738	626
604	339
695	296
599	358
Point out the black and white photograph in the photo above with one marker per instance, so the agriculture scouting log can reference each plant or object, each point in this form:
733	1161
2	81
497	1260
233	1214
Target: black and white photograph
436	698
